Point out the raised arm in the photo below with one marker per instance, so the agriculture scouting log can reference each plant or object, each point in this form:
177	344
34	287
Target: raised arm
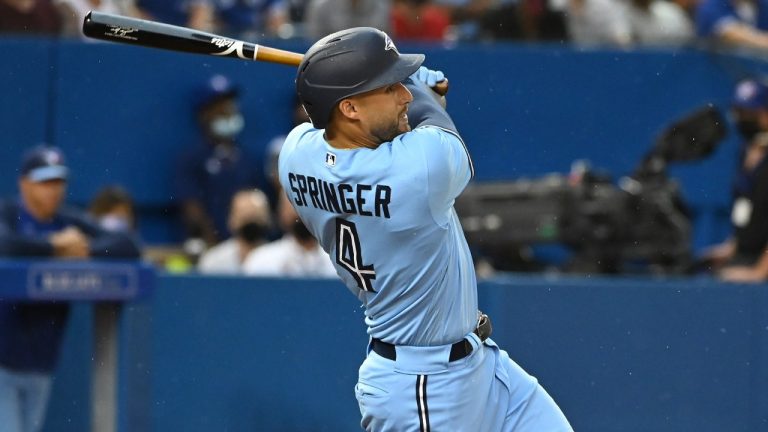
103	243
428	106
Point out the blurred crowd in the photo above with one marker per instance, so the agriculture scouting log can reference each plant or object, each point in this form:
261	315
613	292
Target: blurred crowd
228	200
621	23
233	215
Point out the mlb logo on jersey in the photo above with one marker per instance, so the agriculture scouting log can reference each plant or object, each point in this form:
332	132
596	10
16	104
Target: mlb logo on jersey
330	159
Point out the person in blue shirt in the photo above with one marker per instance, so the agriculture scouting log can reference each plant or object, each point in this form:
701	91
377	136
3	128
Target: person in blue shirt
374	178
196	14
38	225
740	24
211	172
250	19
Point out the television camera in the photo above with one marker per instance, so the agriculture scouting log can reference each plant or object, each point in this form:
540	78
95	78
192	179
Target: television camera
640	224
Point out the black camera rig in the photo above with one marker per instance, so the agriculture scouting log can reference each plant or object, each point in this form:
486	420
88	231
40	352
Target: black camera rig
639	224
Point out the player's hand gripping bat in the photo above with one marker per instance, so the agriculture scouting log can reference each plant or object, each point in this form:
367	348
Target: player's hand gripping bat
134	31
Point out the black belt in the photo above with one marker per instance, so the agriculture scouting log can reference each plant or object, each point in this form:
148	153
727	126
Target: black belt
459	350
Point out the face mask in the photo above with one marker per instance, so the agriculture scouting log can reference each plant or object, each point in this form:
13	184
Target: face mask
300	231
746	11
251	232
748	128
227	126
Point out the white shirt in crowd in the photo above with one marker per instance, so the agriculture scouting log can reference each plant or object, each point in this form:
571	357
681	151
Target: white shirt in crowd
224	258
74	12
623	23
664	23
286	257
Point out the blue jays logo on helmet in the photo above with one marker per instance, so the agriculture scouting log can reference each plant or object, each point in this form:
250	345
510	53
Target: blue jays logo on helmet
389	45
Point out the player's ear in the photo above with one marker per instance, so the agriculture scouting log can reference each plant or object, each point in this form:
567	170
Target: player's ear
349	109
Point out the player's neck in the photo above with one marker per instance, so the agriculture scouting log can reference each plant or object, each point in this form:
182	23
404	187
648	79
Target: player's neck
349	138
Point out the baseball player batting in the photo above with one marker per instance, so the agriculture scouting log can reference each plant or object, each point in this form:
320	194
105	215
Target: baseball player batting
374	178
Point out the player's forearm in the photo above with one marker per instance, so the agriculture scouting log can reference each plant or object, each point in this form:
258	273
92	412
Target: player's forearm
115	245
425	109
761	266
741	35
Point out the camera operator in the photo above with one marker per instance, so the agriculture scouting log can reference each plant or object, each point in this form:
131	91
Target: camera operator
744	256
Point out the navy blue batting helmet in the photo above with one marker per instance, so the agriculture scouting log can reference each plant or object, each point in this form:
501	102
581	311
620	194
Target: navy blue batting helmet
347	63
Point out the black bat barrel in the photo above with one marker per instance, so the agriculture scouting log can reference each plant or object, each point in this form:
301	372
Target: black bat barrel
134	31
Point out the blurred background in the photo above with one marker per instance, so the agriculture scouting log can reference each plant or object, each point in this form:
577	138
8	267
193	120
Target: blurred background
609	145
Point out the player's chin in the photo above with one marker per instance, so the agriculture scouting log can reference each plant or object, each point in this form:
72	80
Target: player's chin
403	125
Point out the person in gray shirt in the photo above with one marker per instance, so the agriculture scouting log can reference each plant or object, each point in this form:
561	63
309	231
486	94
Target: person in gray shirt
324	17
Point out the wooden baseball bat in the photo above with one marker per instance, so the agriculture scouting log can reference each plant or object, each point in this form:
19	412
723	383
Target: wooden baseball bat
134	31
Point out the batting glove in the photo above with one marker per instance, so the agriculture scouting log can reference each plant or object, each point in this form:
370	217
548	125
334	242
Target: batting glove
428	76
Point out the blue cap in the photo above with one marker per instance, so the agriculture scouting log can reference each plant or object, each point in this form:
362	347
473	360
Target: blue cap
43	163
218	87
751	95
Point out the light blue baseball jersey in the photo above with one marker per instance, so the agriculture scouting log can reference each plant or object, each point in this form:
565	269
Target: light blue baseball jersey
385	216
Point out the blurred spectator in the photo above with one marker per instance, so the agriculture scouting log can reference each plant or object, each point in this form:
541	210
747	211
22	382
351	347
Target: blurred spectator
213	171
296	10
658	22
29	16
744	257
299	116
73	13
197	14
484	19
504	19
465	15
598	22
419	20
734	23
324	17
37	225
249	221
296	254
543	20
250	19
689	7
112	208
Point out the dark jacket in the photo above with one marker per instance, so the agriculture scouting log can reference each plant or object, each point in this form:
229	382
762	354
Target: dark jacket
31	333
752	238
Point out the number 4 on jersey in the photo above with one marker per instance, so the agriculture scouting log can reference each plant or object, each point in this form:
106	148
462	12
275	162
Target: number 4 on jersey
350	256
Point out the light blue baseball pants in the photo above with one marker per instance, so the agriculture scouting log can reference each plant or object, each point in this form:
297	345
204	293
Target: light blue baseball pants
484	392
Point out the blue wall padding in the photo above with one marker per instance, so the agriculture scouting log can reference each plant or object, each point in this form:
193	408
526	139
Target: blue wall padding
618	354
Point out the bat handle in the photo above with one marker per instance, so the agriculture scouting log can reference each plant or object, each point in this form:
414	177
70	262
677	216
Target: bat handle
441	88
278	56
